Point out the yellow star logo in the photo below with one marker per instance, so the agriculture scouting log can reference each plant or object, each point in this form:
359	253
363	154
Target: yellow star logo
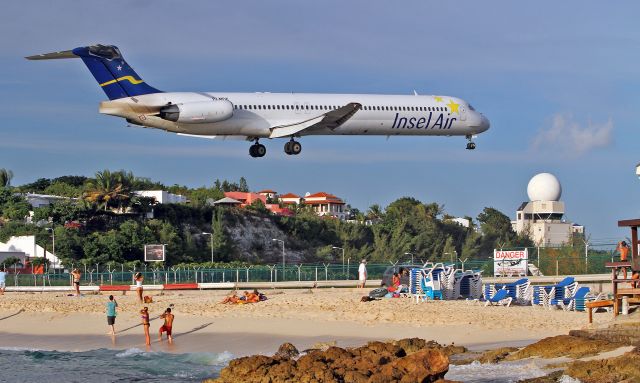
437	98
453	107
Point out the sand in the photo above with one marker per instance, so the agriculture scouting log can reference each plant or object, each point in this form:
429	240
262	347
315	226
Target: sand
304	317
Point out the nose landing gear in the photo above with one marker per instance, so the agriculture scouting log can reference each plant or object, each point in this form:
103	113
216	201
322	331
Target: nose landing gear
470	145
292	147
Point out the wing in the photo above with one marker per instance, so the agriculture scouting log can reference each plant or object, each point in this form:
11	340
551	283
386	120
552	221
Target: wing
223	138
330	120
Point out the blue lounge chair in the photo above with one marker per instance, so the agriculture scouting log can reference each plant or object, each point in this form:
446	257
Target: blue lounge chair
500	298
575	302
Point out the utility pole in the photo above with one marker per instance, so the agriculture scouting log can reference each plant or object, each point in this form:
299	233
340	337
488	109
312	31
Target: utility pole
211	235
336	247
283	262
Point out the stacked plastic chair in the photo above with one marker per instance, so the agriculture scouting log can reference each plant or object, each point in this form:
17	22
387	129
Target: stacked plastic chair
468	285
575	302
448	283
519	290
543	294
427	282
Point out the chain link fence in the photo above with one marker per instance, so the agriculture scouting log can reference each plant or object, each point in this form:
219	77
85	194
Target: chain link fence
547	261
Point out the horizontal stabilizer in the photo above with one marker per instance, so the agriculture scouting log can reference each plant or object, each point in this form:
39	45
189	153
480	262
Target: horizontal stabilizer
53	56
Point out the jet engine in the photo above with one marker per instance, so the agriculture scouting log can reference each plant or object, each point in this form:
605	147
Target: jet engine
198	112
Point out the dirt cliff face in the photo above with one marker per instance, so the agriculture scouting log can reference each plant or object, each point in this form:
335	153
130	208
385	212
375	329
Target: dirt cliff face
376	362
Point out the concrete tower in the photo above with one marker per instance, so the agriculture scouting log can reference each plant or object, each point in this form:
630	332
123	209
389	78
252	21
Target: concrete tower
542	217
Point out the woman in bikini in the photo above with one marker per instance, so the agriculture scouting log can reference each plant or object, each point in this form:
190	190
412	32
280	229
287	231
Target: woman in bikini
138	277
144	315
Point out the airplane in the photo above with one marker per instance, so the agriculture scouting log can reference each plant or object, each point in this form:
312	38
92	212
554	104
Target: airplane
264	115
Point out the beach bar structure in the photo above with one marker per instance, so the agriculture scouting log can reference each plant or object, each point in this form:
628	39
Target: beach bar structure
623	287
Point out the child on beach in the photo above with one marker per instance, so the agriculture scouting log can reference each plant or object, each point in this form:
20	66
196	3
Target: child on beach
111	314
144	315
168	324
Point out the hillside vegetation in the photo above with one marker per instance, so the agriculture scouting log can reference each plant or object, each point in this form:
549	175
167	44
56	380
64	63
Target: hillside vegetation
104	222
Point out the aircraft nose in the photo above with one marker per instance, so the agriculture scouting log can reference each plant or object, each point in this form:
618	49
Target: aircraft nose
484	123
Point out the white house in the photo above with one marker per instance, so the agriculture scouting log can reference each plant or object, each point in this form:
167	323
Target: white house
27	245
162	196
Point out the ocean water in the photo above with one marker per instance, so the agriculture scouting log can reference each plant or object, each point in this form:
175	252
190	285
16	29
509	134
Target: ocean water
505	372
104	365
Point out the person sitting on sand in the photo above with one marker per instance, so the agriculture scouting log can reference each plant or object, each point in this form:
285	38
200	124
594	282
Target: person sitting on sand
253	297
144	315
232	298
168	323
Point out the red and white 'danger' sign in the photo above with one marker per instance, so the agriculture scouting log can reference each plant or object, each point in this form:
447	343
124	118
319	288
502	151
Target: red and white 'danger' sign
510	254
510	263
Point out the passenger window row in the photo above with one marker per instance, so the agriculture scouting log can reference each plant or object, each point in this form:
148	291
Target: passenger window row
333	107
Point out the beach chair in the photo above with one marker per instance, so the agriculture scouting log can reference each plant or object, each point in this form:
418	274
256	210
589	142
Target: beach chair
575	302
428	289
543	294
500	298
520	291
468	285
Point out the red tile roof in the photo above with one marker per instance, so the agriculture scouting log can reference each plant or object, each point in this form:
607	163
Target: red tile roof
289	195
267	191
321	195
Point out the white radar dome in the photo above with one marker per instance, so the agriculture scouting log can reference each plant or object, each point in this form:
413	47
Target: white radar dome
544	187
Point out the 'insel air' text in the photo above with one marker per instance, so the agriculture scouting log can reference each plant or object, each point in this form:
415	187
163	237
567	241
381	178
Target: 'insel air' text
422	122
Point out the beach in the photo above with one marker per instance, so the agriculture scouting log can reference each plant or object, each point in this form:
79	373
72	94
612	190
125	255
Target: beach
56	321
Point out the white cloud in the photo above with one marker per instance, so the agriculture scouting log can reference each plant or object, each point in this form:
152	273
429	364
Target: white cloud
570	137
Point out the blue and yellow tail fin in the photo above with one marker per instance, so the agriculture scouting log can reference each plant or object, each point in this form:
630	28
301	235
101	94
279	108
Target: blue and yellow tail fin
109	68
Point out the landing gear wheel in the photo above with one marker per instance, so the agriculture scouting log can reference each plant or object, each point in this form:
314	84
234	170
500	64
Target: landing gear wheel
295	147
470	145
292	147
260	150
257	150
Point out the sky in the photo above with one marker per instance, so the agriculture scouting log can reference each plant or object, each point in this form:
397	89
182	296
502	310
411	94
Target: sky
557	80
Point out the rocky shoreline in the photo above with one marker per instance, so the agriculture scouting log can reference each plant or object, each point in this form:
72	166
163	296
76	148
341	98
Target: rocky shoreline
403	361
415	360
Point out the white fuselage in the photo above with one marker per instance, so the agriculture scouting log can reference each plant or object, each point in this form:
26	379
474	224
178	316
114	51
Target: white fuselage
255	115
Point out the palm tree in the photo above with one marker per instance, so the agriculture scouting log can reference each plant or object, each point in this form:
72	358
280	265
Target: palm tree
374	212
110	189
5	177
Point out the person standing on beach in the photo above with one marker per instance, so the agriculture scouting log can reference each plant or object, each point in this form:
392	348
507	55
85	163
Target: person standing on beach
144	315
168	324
623	249
362	274
111	314
3	277
139	278
76	275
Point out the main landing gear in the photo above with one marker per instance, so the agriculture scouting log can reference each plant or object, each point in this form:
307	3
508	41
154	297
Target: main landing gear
470	145
257	150
292	147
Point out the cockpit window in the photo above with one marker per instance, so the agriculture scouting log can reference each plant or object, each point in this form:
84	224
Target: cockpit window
471	107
